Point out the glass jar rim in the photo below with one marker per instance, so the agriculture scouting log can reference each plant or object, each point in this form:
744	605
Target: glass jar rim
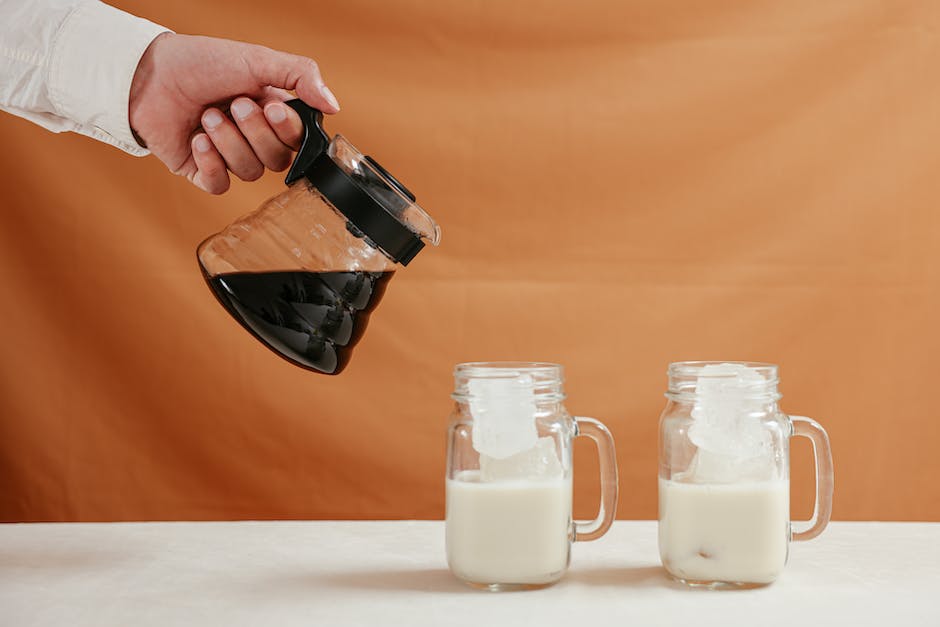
548	378
503	368
695	367
684	376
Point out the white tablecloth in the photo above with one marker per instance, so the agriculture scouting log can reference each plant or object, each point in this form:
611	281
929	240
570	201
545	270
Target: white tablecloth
395	573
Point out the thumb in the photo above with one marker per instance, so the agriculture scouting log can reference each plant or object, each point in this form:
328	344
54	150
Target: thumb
272	68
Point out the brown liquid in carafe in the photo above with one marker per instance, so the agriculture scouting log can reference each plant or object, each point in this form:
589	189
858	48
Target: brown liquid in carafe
312	319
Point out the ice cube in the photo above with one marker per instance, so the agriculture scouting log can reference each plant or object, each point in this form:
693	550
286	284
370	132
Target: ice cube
539	462
732	443
503	411
729	429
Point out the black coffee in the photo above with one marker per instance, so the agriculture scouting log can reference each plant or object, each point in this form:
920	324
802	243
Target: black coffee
312	319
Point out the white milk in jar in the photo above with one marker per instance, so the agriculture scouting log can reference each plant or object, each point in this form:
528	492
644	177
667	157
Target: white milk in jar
508	531
732	532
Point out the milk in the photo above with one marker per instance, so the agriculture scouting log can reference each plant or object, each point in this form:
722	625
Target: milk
724	532
513	531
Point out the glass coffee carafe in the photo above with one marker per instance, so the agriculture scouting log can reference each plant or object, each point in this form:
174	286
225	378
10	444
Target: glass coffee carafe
304	272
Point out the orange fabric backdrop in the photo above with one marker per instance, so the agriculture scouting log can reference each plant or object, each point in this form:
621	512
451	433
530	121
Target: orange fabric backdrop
620	185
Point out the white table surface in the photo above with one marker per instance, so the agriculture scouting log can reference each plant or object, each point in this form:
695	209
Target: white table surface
395	573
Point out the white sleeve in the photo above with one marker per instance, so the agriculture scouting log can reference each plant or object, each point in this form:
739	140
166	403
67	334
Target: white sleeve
67	65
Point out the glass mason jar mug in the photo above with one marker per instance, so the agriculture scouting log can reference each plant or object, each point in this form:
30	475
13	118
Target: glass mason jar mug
509	471
724	469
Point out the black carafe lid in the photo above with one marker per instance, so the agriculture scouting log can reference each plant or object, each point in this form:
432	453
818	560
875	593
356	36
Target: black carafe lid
373	200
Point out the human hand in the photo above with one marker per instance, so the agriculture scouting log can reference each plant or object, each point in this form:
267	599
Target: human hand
179	94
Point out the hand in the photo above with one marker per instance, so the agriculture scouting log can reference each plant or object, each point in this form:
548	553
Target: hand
179	94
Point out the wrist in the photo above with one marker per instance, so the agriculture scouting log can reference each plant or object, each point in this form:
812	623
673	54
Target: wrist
146	76
91	66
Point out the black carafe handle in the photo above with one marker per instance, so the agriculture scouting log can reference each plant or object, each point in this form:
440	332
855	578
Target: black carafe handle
313	144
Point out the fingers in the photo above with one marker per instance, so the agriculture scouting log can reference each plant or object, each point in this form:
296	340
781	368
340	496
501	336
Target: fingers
256	136
211	174
270	150
285	123
289	71
232	145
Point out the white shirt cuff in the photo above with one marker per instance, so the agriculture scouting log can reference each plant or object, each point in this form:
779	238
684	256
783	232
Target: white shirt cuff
93	61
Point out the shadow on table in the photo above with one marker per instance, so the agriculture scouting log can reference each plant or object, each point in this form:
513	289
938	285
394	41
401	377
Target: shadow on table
424	580
441	580
635	577
59	559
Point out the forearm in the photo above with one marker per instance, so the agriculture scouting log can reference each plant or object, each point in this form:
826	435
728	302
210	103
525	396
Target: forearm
67	65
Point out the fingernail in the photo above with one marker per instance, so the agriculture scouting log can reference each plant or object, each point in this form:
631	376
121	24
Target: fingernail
242	109
275	113
330	98
211	119
202	143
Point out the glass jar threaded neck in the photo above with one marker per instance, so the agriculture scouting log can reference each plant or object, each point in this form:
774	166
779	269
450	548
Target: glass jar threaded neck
547	378
748	380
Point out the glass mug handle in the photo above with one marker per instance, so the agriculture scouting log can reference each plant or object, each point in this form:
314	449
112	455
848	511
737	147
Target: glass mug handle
607	457
822	510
